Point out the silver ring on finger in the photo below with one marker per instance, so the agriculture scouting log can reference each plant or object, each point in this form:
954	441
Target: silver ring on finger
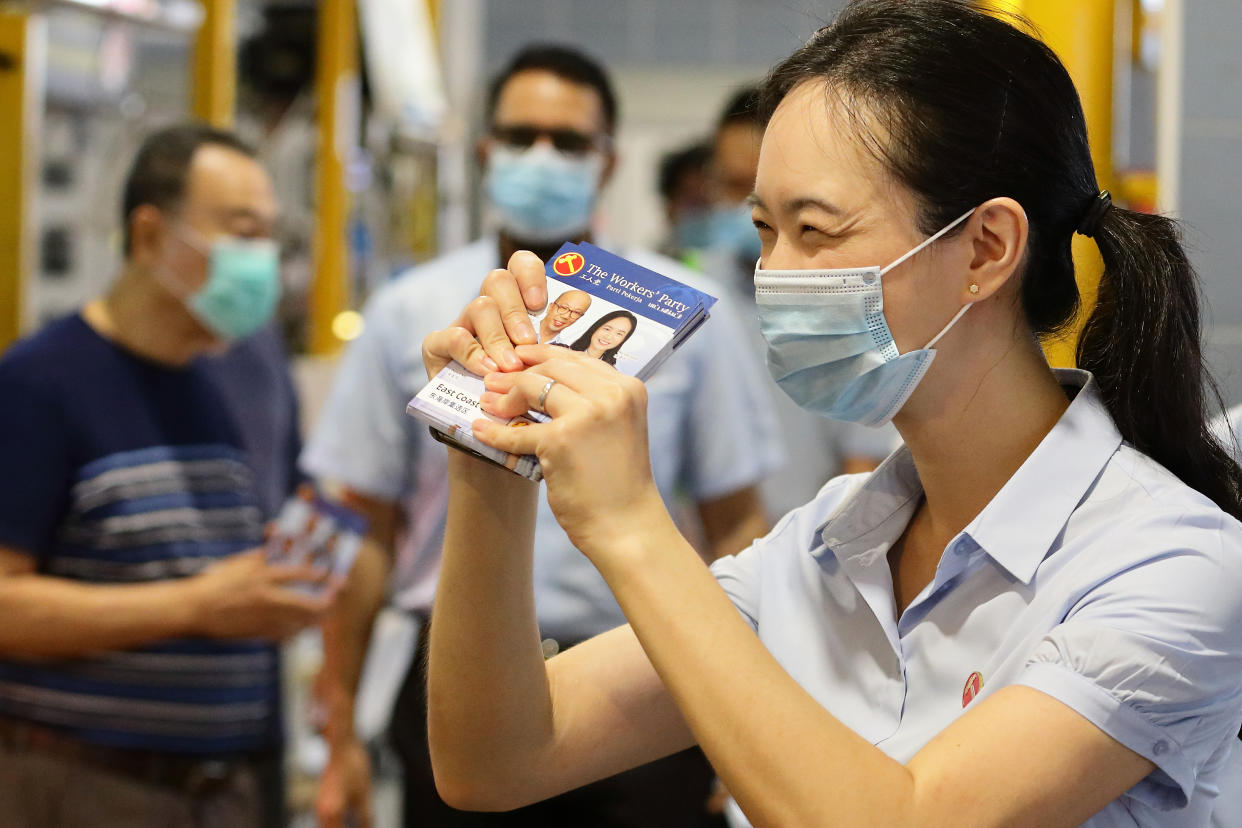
543	395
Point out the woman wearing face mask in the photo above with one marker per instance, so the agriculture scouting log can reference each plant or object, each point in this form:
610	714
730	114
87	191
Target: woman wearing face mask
606	336
1028	615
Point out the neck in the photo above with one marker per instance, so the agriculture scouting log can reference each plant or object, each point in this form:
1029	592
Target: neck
140	316
976	418
544	250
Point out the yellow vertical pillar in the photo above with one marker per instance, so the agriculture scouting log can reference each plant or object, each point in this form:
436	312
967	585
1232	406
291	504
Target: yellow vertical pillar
215	64
337	111
21	105
1081	33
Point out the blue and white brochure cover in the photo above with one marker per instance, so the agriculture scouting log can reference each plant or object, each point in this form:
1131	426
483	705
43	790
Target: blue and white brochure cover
598	303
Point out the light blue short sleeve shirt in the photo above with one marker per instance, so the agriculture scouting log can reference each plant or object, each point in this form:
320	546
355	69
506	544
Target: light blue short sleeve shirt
711	432
1094	576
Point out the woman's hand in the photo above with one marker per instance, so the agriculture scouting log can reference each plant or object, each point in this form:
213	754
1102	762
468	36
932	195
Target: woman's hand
594	451
483	336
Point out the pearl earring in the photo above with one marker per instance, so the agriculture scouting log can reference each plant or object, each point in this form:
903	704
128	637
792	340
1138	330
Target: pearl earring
974	288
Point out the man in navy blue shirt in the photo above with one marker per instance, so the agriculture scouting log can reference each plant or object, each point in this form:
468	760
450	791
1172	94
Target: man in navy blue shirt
144	442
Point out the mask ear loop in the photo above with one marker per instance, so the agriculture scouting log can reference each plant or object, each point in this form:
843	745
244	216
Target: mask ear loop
930	239
945	330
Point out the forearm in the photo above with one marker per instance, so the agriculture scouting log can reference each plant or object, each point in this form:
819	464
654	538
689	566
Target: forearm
47	617
489	710
346	637
720	675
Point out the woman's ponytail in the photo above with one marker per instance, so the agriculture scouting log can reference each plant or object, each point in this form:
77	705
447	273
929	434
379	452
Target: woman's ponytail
1142	344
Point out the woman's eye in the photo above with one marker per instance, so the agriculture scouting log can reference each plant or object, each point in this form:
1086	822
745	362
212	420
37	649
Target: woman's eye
761	226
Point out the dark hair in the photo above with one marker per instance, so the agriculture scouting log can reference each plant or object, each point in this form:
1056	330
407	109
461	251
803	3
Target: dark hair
971	107
610	356
744	107
158	173
567	64
676	164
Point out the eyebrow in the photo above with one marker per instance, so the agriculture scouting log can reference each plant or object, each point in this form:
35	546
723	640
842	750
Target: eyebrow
796	204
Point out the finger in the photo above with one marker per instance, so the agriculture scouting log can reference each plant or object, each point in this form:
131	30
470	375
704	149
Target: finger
489	328
510	395
527	270
539	354
330	803
516	440
300	607
283	573
502	287
457	343
586	375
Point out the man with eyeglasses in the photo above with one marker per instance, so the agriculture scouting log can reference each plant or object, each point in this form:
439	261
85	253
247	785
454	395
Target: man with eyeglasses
563	311
547	154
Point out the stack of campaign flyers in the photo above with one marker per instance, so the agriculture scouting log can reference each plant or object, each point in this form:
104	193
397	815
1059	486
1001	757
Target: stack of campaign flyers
314	531
614	310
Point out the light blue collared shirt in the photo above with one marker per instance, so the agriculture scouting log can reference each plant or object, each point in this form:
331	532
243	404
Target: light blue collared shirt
1094	576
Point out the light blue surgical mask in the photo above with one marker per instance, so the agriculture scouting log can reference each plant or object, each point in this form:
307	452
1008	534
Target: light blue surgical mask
728	230
242	287
540	195
829	346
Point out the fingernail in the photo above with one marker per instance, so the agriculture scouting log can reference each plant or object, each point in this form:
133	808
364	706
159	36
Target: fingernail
490	364
488	397
536	296
526	331
511	361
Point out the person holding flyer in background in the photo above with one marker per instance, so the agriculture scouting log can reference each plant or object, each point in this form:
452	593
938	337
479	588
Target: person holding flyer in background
146	440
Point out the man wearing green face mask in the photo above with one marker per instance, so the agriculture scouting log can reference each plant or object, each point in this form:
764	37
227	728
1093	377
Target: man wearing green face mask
145	440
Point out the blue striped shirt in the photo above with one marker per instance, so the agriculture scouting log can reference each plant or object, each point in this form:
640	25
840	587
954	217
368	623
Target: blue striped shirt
122	471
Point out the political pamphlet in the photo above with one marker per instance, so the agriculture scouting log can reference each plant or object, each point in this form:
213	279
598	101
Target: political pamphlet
312	530
598	303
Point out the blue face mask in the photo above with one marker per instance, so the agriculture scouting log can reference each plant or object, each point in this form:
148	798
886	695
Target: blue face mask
829	346
541	195
729	230
242	287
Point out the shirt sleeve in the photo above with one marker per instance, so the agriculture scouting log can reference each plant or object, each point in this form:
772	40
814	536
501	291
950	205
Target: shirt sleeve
732	431
1153	655
34	457
362	437
738	575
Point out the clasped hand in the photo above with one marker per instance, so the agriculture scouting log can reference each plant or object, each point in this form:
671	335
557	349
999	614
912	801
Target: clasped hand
594	451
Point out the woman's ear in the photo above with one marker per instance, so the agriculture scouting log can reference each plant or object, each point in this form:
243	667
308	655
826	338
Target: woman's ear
997	233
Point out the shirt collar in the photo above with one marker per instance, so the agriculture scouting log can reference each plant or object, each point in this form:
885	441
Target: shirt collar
1056	475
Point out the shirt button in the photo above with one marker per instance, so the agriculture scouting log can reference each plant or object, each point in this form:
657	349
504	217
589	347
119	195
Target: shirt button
550	647
1160	748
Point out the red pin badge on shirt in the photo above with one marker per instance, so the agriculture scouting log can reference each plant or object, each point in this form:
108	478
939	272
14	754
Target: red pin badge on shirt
974	684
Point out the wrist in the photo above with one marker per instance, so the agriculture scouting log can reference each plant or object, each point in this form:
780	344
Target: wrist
190	609
338	718
627	540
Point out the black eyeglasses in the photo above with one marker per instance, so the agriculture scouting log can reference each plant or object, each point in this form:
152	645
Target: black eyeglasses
568	141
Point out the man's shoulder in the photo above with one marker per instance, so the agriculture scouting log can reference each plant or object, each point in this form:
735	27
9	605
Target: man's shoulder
60	346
